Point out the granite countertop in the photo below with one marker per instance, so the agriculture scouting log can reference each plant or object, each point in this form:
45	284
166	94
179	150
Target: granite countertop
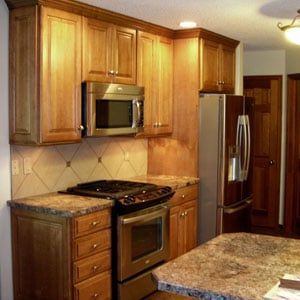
72	205
175	182
61	204
231	266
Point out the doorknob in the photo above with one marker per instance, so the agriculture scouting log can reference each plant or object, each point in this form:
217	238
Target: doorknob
272	162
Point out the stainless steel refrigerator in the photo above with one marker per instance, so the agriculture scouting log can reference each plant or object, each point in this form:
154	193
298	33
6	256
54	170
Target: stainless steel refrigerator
225	164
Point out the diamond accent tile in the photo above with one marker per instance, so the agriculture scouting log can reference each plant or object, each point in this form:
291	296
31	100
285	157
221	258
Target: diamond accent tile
84	162
126	171
138	157
49	166
112	158
98	145
68	178
68	151
31	186
100	173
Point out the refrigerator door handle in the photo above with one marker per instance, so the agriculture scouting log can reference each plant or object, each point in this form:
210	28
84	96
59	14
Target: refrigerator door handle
248	135
239	146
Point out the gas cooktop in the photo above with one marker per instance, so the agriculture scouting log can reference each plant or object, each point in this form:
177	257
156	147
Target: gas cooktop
129	196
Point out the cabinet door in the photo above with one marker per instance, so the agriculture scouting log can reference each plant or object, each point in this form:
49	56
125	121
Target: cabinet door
61	76
209	66
97	50
174	231
124	48
190	220
41	256
147	76
165	86
227	69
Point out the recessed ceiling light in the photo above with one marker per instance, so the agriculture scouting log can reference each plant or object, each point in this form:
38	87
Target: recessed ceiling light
188	24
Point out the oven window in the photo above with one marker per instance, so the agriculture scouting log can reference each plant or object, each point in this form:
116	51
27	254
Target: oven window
113	113
146	238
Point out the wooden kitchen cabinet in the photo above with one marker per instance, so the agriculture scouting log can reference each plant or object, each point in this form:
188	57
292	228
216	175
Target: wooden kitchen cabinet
217	67
183	221
61	258
109	52
155	73
45	76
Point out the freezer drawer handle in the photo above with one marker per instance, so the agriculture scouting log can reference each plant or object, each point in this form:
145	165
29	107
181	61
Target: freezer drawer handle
236	209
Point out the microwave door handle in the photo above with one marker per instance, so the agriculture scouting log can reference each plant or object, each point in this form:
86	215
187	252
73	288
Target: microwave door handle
136	112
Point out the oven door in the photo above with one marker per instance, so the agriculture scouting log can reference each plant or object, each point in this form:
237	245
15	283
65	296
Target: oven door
143	240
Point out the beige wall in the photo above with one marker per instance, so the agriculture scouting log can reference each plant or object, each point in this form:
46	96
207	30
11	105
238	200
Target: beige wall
6	291
293	60
58	167
272	62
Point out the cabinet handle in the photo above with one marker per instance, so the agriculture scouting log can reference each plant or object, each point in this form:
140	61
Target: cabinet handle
80	128
95	246
111	72
95	268
95	223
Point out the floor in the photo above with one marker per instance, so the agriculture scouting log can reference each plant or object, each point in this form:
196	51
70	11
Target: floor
166	296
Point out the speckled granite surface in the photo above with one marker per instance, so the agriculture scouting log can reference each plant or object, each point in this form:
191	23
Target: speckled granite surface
61	204
231	266
175	182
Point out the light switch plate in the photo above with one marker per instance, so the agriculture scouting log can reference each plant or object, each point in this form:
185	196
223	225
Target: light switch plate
27	166
15	169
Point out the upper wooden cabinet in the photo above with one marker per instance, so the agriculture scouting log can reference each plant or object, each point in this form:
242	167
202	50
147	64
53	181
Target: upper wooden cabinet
155	73
217	67
45	76
109	52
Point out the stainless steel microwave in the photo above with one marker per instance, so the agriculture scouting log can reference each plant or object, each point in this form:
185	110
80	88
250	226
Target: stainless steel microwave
112	109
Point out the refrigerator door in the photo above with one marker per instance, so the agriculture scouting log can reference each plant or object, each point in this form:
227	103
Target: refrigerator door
234	159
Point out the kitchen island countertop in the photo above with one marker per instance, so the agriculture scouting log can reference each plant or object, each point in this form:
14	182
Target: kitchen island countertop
231	266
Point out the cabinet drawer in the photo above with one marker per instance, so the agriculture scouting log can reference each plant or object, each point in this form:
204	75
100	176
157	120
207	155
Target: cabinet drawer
91	266
92	222
184	194
98	287
92	244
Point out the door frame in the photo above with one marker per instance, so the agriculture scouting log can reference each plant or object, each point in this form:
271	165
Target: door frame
291	159
279	78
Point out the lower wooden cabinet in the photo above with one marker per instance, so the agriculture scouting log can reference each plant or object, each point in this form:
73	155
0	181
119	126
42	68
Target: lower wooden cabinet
183	221
61	258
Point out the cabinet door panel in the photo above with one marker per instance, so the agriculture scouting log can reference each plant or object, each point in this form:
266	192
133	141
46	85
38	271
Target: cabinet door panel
174	232
209	66
165	86
125	55
61	76
147	76
190	216
227	69
97	47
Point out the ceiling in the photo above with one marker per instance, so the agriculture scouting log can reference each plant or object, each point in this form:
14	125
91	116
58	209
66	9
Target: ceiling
253	22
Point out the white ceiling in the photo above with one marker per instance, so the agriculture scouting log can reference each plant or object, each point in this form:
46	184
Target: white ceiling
254	22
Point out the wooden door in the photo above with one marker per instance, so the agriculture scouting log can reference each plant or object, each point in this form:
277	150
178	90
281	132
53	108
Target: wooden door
209	66
227	69
97	46
61	76
190	220
266	91
147	76
124	59
165	86
292	193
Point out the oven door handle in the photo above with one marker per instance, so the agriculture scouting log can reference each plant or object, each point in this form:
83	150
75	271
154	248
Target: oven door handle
157	213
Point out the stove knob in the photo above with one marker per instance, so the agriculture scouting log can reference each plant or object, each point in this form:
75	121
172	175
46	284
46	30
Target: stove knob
144	192
129	199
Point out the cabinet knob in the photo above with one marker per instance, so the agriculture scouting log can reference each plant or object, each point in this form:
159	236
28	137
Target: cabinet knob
183	196
159	124
182	215
272	162
111	72
116	73
185	213
155	125
95	223
95	246
95	268
80	127
96	295
223	82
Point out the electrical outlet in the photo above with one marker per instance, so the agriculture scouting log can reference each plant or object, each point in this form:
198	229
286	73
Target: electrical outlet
27	166
126	156
15	169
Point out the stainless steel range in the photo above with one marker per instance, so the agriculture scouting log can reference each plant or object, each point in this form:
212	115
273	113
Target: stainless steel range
140	232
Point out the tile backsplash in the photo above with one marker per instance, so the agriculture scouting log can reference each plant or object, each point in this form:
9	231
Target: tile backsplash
53	168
